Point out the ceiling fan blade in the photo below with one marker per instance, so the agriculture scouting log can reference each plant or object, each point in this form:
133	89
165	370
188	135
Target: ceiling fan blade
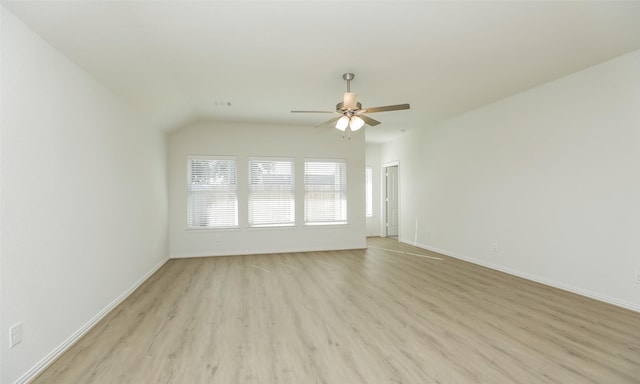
328	122
388	108
313	112
369	121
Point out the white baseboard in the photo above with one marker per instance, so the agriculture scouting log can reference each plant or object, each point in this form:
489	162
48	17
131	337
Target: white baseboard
565	287
62	348
259	252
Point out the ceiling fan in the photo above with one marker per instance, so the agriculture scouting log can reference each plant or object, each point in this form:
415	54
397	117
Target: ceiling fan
351	114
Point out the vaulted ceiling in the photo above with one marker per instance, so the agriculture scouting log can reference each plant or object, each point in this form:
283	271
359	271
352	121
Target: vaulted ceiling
178	62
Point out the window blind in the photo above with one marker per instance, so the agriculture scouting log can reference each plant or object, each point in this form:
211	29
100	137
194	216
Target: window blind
325	192
212	193
271	192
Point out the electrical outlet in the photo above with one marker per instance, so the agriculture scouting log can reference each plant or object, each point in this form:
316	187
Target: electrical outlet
15	335
637	277
495	247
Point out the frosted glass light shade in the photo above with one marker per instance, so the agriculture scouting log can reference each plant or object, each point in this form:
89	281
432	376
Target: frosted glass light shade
342	123
356	123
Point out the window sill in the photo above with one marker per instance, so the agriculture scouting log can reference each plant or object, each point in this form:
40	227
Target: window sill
221	229
326	225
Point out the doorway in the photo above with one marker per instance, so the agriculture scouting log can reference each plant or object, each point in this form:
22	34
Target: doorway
391	200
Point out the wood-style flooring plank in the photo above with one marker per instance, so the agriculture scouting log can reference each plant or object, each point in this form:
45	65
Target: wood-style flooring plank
390	314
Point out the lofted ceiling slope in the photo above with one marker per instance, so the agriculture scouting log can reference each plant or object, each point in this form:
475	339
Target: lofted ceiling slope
179	62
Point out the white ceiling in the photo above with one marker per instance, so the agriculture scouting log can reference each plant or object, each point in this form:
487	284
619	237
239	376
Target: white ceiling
175	61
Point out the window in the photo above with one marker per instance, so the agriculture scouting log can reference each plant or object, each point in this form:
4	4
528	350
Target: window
325	192
368	179
212	193
271	192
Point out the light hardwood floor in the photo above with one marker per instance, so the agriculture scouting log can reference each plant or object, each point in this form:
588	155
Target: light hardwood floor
383	315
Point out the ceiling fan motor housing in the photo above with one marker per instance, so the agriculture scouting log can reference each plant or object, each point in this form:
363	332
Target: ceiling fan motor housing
341	108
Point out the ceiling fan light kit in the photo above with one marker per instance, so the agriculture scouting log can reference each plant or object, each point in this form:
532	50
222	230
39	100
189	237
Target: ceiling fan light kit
352	112
342	123
355	123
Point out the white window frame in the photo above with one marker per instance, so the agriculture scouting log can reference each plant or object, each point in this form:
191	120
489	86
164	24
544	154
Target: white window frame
203	191
281	197
333	193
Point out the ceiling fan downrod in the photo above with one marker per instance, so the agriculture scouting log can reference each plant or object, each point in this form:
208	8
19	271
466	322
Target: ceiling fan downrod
348	77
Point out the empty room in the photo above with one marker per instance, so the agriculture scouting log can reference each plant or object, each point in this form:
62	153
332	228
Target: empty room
320	192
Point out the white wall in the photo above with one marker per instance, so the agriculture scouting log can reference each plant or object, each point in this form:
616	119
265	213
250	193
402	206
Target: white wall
247	140
83	200
374	223
550	176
